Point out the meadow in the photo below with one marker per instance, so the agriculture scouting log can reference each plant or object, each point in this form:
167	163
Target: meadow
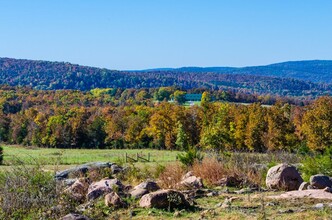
64	158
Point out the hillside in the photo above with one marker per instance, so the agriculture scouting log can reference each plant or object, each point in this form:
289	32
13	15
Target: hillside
60	75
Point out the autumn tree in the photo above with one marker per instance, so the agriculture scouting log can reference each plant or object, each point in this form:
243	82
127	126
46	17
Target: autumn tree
280	129
256	128
317	124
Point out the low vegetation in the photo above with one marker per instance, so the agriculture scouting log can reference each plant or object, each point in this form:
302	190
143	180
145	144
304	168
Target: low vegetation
30	192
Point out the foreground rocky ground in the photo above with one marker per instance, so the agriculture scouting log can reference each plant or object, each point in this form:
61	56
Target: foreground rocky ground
109	198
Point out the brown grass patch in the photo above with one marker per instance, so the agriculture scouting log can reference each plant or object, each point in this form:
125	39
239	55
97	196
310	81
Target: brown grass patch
171	176
210	170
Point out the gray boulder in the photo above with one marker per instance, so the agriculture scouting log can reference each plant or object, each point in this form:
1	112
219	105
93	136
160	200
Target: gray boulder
114	200
77	190
320	181
138	193
192	182
283	177
148	185
144	188
84	168
164	199
103	187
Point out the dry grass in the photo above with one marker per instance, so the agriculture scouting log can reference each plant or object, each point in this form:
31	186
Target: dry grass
210	170
171	176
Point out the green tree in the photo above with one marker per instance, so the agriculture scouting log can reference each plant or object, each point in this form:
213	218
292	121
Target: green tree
181	138
179	96
162	94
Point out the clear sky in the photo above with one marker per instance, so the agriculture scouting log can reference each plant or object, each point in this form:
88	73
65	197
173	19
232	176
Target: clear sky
139	34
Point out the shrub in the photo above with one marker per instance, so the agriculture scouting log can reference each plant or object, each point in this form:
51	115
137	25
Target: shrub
317	164
27	191
210	170
171	176
134	175
190	157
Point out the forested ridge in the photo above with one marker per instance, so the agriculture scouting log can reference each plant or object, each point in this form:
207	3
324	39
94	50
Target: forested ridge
59	75
309	70
143	118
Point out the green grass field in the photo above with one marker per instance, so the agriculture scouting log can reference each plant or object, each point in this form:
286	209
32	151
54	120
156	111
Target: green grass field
51	156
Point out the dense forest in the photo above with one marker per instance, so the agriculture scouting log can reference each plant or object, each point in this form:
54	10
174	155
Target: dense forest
143	118
310	70
56	75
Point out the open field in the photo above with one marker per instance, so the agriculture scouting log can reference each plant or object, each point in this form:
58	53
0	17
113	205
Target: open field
67	157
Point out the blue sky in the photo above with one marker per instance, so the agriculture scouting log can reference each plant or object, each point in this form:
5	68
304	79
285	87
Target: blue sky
139	34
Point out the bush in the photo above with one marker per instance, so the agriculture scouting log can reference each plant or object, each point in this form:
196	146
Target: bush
210	170
190	157
171	176
28	192
317	164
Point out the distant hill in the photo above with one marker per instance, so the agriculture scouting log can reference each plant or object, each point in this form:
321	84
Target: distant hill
311	70
277	79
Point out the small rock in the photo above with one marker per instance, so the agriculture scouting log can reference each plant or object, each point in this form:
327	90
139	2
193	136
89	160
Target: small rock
77	190
102	187
244	191
116	169
208	212
192	182
188	174
286	211
73	216
304	186
310	187
69	182
320	181
319	206
213	193
114	200
218	205
270	204
177	214
328	189
230	181
227	203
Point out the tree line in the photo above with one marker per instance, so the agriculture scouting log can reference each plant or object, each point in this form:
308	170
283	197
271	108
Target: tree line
113	118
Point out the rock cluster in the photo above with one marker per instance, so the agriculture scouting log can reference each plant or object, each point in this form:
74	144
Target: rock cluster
150	195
